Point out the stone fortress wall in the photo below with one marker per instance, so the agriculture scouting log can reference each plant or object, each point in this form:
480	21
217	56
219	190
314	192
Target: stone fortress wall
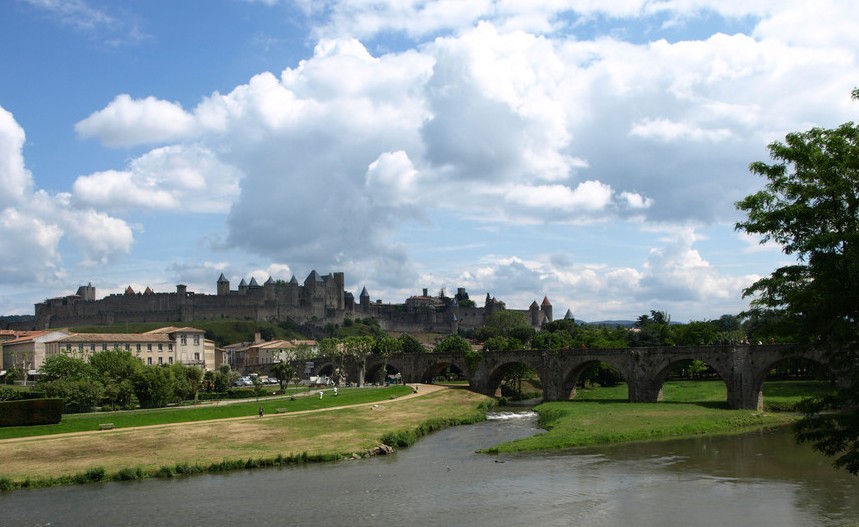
319	301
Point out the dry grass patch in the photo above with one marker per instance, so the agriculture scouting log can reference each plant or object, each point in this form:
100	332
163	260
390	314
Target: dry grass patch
339	431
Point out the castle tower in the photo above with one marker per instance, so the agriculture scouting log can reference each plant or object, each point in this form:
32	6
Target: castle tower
364	300
223	285
546	308
340	287
534	309
243	287
269	288
86	292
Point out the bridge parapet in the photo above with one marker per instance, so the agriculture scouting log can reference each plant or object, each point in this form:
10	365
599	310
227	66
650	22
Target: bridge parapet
743	368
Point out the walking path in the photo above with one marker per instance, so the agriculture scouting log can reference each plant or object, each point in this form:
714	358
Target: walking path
421	390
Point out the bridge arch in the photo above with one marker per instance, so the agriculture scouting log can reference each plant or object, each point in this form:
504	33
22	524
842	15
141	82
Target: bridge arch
763	359
374	372
578	368
721	368
497	366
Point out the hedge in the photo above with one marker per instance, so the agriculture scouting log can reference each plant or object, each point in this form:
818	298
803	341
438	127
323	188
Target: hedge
31	412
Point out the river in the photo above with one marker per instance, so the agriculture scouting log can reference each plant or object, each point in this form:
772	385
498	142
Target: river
756	479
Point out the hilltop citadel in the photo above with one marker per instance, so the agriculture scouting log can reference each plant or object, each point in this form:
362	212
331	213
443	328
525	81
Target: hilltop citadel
320	300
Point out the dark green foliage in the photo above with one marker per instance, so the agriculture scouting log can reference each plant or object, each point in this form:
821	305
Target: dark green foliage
129	474
10	394
506	323
115	364
63	366
603	374
154	387
502	344
452	344
409	344
361	327
652	330
553	340
472	359
31	412
80	395
283	372
810	207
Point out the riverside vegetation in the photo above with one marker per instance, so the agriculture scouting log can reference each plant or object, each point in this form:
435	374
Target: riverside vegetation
175	442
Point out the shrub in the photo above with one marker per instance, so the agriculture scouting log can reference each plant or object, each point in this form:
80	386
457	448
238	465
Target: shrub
129	474
29	412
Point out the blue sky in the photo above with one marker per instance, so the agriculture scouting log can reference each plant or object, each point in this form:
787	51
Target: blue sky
591	152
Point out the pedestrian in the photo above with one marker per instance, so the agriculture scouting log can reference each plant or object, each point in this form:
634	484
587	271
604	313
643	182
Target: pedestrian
260	411
335	391
320	394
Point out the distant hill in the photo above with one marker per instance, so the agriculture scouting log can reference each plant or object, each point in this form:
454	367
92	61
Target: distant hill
17	318
17	322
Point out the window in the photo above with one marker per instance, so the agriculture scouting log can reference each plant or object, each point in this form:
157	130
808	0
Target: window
197	356
138	347
81	348
169	360
160	347
128	347
149	347
92	347
196	340
183	340
170	347
104	347
160	360
149	361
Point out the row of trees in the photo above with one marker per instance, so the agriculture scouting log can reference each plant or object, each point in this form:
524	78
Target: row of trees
510	330
116	379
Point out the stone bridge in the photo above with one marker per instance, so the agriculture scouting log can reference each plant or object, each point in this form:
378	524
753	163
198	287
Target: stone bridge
743	368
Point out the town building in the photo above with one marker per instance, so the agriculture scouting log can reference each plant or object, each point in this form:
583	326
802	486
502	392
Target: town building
168	345
28	350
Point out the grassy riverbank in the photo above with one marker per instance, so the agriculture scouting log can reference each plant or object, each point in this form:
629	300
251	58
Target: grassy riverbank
227	409
602	416
168	450
173	442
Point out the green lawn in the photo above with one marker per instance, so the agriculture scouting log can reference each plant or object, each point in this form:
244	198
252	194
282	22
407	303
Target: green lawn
603	415
204	412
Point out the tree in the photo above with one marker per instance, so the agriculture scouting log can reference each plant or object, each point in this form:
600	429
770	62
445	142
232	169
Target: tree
386	346
452	344
283	372
22	361
502	344
187	381
62	366
810	207
513	377
116	369
652	330
553	340
154	386
696	333
80	395
357	348
409	344
506	323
